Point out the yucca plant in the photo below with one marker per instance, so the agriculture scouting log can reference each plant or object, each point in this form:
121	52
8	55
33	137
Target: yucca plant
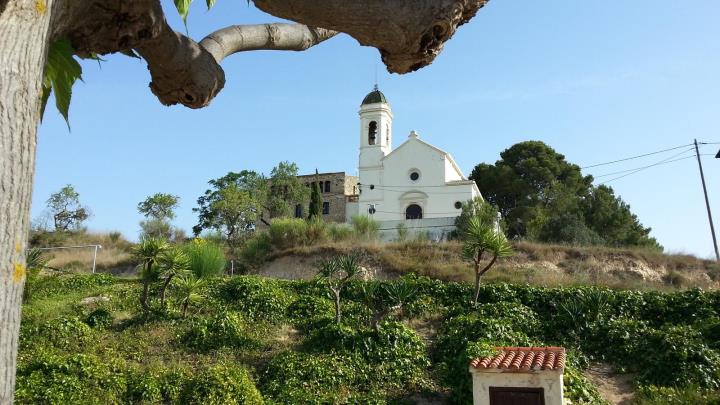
147	252
188	289
172	262
335	274
35	261
481	238
385	299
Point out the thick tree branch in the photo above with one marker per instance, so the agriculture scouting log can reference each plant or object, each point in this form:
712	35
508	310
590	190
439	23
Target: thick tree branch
284	37
408	33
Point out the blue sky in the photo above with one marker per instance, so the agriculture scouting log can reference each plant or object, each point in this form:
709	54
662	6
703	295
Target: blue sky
596	80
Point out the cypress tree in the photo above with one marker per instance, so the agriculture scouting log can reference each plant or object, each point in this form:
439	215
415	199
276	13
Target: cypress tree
315	198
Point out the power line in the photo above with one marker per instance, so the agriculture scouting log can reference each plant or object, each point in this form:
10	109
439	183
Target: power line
644	167
636	157
666	160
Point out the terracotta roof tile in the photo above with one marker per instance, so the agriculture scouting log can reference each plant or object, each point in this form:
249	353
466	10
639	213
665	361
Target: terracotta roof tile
523	358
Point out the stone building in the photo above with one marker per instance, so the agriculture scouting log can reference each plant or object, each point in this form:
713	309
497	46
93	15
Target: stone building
338	189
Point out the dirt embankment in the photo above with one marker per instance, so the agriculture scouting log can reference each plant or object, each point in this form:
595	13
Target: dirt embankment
532	263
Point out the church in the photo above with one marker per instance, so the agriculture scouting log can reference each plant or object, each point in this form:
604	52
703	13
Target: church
415	184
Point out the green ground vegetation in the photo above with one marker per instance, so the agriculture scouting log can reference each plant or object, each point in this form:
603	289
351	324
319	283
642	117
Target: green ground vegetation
251	340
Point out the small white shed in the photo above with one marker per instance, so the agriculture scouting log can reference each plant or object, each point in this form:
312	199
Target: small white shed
519	376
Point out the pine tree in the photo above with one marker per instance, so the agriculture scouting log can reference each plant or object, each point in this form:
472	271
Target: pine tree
315	198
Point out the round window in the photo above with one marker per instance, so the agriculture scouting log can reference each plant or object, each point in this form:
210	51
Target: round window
414	176
372	187
458	205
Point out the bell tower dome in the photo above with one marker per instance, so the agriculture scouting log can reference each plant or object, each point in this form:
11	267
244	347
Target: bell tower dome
375	128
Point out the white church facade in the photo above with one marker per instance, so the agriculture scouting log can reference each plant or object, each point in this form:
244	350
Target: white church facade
416	184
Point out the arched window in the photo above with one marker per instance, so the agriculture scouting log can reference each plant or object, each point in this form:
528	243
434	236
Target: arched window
372	133
413	211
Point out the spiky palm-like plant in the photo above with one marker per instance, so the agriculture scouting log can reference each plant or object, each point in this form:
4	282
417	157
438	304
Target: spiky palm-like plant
171	263
147	252
35	261
188	290
335	273
481	238
385	299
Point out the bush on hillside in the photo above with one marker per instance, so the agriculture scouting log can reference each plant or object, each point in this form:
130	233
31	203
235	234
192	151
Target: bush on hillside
65	333
287	232
99	318
221	384
206	258
365	227
256	297
339	232
346	365
59	379
307	310
256	250
225	329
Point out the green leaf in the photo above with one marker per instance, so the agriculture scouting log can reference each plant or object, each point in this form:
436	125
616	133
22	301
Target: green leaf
183	7
210	4
61	72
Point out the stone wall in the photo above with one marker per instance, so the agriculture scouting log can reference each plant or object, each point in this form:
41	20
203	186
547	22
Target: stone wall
335	188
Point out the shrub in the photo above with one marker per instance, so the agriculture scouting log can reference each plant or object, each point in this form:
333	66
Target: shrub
652	395
578	389
206	258
677	356
256	250
50	378
315	231
221	384
223	330
402	232
308	309
256	297
711	332
156	384
287	232
99	318
68	283
457	344
64	333
365	227
302	378
339	232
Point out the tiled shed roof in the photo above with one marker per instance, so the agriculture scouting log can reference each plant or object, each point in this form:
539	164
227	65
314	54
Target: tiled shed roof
523	358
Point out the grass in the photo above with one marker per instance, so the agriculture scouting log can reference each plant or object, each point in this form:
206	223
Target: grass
115	252
540	264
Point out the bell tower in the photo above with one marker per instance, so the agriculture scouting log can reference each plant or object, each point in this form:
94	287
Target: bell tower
375	129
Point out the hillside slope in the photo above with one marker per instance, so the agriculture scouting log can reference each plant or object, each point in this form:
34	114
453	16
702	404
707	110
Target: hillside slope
533	263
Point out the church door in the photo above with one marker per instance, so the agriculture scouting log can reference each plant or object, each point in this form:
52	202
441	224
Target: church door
413	211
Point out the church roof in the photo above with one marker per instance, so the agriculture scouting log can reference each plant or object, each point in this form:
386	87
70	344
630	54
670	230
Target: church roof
414	137
375	96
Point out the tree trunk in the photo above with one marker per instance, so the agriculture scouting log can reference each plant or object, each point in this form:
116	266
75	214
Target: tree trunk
146	291
478	275
23	49
185	307
164	287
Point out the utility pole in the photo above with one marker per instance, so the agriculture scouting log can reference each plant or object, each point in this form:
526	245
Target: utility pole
707	202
